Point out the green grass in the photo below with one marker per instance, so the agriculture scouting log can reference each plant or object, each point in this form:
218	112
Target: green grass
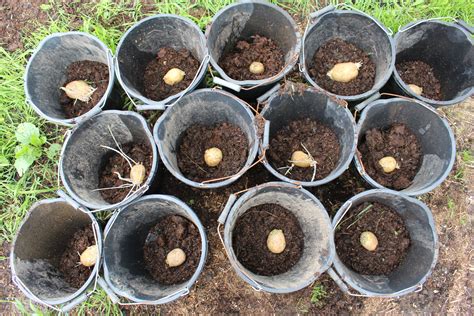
318	294
108	20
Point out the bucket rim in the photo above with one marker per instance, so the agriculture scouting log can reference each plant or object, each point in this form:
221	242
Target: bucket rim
95	271
274	185
100	104
404	86
338	263
196	221
376	87
424	107
173	97
212	185
330	177
151	176
265	81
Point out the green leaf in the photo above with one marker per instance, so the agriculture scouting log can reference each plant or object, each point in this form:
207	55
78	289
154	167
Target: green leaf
53	151
37	140
26	155
25	132
4	161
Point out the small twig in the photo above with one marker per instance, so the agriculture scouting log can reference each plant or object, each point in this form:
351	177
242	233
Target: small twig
195	163
359	216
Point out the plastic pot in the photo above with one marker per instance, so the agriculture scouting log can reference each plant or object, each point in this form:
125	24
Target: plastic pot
45	72
125	236
140	44
432	131
242	20
319	247
282	108
82	157
421	257
448	48
206	107
355	27
38	247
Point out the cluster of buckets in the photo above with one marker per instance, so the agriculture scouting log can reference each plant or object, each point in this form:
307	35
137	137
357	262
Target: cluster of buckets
40	239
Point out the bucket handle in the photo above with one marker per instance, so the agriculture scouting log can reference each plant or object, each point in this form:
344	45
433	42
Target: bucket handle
344	288
264	97
426	106
359	107
405	28
266	136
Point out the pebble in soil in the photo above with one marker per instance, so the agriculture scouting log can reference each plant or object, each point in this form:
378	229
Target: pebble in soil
396	141
250	239
166	59
96	74
169	233
114	162
321	142
69	265
421	74
389	228
237	61
227	137
337	51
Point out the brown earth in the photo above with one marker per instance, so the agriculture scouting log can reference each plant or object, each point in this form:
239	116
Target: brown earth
421	74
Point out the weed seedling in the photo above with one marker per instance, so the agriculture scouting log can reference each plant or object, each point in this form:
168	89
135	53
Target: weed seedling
318	294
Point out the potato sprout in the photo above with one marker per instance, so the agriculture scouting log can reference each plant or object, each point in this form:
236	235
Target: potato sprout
213	156
301	159
388	164
79	90
369	241
276	242
89	256
257	68
344	72
415	89
137	174
175	258
174	76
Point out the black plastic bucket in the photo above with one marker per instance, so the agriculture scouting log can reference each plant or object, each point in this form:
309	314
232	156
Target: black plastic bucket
140	44
206	107
355	27
282	108
82	155
421	257
447	48
318	252
45	72
38	247
433	132
125	236
247	18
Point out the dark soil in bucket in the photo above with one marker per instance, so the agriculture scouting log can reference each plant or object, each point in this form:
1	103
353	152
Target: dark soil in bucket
389	228
250	239
70	266
96	74
337	51
237	61
321	142
114	162
198	138
167	59
396	141
169	233
421	74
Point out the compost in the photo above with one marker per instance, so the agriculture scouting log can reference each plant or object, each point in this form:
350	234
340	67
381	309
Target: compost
421	74
169	233
96	74
388	227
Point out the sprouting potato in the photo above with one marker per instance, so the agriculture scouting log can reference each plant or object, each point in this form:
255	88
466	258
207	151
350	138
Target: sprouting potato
369	241
213	156
89	256
79	90
137	174
344	72
301	159
175	257
276	242
388	164
174	76
257	68
416	89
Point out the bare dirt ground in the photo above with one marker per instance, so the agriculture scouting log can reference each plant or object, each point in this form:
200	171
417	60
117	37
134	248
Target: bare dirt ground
219	290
